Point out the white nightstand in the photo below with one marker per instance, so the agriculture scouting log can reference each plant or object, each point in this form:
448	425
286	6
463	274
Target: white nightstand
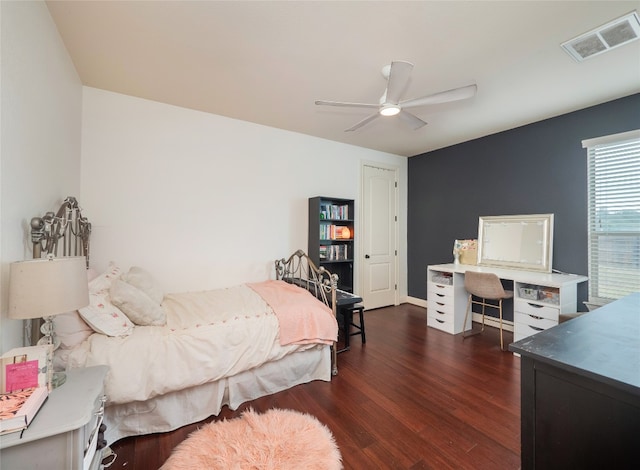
64	433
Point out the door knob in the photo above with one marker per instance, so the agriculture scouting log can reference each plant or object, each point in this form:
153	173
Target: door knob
367	256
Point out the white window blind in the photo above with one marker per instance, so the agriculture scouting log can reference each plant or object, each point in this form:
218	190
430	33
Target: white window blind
614	216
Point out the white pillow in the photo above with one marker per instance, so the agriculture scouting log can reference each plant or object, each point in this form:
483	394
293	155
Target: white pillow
137	305
102	283
70	329
141	279
101	315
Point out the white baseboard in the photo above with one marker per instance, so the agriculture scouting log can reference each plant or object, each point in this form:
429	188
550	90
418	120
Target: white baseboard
493	322
416	301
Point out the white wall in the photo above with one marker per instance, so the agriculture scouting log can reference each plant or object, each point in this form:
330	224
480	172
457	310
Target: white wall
205	201
40	146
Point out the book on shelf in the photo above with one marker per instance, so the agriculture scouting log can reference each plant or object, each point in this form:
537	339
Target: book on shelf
24	368
336	253
335	232
334	211
17	409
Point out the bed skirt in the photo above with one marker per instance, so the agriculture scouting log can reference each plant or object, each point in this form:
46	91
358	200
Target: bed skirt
173	410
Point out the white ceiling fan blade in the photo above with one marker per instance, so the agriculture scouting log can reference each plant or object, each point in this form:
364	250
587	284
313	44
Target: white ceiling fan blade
346	104
456	94
399	76
413	121
366	120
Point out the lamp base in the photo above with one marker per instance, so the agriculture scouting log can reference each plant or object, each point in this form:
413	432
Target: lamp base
57	379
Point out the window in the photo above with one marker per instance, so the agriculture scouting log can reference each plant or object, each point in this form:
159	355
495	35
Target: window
614	216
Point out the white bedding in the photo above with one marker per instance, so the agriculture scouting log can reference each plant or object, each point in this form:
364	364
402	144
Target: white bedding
208	336
176	409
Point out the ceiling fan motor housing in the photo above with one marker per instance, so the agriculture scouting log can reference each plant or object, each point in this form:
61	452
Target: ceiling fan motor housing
398	76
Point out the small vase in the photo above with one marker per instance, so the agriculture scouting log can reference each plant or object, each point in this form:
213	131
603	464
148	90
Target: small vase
456	258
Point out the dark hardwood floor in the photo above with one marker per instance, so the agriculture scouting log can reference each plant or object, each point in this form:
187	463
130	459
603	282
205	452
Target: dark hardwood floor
411	398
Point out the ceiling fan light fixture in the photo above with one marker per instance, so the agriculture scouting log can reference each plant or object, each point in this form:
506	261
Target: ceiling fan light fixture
391	103
389	110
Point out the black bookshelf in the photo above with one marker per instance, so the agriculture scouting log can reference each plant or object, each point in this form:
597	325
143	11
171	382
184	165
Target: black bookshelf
331	237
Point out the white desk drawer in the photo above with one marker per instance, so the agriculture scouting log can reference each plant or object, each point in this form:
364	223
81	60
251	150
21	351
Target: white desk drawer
522	330
551	313
440	324
441	306
525	325
439	290
440	299
534	321
440	313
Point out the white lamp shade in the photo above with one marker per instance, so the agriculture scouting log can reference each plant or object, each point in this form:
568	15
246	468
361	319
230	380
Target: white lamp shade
45	287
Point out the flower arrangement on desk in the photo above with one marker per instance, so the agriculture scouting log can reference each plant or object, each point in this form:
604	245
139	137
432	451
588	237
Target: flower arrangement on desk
465	251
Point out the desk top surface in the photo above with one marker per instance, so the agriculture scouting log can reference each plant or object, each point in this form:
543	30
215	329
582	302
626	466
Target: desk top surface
519	275
603	344
346	298
342	297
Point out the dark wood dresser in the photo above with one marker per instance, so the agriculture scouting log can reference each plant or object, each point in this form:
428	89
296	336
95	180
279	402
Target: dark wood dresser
581	391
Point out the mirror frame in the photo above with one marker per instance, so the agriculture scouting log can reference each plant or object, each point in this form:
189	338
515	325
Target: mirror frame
545	221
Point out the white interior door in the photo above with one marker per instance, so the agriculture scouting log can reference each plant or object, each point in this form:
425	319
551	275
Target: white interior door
379	270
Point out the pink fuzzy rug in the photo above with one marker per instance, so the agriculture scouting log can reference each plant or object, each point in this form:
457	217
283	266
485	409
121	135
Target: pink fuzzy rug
277	439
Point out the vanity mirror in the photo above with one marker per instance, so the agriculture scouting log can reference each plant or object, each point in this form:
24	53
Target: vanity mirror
516	241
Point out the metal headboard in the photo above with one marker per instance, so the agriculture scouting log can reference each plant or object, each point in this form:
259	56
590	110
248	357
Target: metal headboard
301	271
66	228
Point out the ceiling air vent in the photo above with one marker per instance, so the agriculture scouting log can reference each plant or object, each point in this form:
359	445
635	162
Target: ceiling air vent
609	36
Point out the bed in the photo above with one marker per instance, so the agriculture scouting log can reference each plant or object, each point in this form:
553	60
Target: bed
178	358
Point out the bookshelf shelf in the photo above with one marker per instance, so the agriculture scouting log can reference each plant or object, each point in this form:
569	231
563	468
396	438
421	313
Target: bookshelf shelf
332	237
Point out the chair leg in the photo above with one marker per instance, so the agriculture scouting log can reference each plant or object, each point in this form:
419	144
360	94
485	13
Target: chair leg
364	338
500	311
466	315
347	317
345	330
484	305
471	333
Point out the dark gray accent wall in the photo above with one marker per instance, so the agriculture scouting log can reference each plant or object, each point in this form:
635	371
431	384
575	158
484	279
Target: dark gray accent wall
534	169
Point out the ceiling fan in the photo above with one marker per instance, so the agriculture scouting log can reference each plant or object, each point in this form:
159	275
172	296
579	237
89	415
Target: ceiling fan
398	75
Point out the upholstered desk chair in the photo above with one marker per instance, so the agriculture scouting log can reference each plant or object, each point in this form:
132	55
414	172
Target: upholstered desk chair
486	286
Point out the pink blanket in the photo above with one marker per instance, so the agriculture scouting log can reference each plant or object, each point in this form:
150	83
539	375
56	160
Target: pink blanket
303	319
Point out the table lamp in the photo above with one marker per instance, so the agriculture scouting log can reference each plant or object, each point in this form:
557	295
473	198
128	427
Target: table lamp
42	288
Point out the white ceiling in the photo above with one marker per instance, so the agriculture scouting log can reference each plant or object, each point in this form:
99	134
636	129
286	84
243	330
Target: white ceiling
267	62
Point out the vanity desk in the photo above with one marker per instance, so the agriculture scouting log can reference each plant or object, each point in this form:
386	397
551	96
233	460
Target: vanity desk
518	249
539	297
